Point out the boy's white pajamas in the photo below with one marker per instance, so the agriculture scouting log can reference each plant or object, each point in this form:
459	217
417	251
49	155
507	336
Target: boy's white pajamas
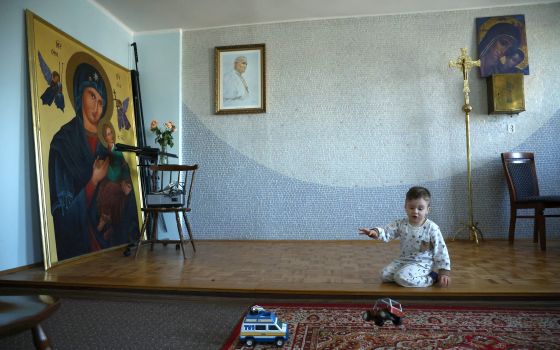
422	250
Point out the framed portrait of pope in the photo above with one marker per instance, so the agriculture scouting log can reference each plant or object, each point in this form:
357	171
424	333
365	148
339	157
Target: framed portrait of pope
240	84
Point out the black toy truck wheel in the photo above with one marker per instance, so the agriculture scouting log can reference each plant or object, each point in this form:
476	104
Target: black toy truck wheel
381	317
397	321
250	342
279	342
366	315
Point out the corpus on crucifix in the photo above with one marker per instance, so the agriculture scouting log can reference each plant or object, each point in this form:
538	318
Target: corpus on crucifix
464	63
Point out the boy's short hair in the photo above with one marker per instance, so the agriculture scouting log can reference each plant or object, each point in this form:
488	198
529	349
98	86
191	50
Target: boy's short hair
418	192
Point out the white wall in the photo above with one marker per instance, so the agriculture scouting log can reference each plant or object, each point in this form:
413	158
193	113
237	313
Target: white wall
359	110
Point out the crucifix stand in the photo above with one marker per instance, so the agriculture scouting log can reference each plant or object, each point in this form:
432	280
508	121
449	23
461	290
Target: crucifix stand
464	64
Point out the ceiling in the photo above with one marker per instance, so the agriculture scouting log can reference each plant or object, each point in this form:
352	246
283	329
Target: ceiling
162	15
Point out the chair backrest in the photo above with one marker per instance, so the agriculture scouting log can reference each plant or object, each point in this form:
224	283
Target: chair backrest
172	181
521	175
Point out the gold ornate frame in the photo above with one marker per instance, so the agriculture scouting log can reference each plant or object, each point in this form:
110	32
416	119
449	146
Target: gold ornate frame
54	51
235	92
505	93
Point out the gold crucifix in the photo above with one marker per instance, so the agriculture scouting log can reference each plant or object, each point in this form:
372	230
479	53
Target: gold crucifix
464	63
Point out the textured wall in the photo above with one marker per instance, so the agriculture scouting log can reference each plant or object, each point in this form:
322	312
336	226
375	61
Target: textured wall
358	110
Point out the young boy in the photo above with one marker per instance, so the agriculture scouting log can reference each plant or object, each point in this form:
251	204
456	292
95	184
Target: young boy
423	249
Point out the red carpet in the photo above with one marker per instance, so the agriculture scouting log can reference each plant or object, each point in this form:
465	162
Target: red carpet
336	326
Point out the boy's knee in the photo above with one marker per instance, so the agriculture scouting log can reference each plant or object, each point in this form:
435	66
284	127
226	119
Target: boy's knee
408	280
403	280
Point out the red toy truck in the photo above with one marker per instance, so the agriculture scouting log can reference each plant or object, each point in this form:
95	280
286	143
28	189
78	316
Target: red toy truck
385	309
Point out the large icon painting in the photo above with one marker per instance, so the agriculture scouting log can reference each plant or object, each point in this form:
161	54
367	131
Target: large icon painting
88	191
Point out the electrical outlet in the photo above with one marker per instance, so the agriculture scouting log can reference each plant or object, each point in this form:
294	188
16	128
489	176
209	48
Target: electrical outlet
511	128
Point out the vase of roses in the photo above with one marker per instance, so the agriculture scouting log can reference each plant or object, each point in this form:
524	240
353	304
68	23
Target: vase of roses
164	137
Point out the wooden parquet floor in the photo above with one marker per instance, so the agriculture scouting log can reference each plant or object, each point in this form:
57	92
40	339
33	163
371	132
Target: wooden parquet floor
346	269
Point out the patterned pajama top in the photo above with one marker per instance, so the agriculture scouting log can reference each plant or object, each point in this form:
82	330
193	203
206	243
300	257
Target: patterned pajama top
419	244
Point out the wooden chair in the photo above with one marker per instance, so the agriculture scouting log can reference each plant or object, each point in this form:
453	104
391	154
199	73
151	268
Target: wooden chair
521	176
26	312
169	191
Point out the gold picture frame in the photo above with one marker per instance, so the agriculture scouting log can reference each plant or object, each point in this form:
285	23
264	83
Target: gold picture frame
505	94
240	79
82	106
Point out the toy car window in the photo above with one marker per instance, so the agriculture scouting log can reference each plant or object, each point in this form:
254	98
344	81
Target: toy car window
272	328
261	328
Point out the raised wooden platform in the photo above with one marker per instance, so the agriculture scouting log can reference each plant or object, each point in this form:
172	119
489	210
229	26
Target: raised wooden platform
340	269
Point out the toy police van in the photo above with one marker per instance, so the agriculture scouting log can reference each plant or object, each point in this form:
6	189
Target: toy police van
260	325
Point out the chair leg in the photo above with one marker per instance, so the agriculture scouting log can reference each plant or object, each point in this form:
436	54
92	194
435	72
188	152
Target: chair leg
40	338
189	230
512	219
142	230
536	226
180	234
154	235
541	224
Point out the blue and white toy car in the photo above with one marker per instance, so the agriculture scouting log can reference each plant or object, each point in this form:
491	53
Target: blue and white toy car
262	326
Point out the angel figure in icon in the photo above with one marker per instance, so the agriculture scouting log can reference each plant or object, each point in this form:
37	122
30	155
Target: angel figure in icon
122	107
54	91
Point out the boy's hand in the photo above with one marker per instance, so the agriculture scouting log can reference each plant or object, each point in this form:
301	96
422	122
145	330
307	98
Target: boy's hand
371	233
443	281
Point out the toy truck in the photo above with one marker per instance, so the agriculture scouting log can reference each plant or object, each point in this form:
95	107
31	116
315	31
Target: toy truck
385	309
260	325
